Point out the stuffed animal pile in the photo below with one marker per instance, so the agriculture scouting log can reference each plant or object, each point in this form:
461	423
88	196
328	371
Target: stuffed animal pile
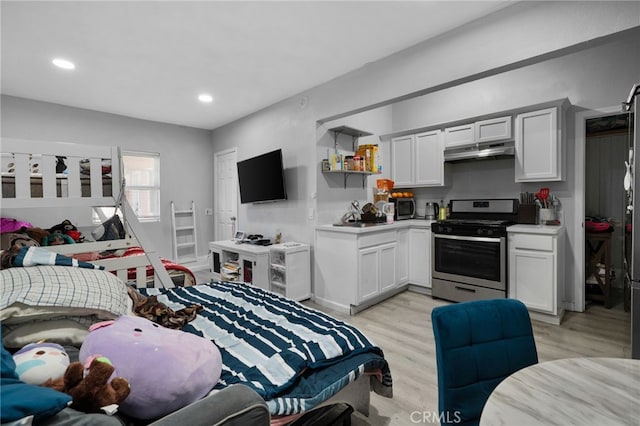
92	389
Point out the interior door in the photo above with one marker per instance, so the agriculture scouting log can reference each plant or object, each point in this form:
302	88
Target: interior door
226	193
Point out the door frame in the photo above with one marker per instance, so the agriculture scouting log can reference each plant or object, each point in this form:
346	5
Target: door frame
581	118
216	156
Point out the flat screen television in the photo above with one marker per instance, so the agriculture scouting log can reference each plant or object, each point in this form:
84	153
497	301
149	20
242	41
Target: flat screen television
261	178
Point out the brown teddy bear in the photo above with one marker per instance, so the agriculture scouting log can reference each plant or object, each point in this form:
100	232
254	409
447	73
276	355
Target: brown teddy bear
91	392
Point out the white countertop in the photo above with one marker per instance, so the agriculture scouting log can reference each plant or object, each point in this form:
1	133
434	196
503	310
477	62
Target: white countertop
537	229
409	223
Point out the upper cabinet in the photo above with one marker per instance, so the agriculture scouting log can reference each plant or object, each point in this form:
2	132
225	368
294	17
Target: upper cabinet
459	135
418	160
538	145
494	129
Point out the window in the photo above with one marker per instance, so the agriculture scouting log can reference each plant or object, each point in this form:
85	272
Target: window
142	184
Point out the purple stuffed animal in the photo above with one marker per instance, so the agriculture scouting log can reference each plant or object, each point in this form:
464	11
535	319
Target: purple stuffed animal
166	369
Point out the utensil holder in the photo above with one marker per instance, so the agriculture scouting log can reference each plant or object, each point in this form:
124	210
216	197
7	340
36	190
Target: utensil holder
527	214
547	215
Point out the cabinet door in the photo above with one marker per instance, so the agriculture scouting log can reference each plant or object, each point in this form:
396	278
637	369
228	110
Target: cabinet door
402	157
459	135
495	129
402	261
429	159
368	275
538	153
420	257
532	279
247	265
215	257
388	266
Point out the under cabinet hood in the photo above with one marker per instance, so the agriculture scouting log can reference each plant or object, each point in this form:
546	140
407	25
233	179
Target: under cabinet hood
480	151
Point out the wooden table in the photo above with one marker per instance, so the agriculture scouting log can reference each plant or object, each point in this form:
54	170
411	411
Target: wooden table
572	391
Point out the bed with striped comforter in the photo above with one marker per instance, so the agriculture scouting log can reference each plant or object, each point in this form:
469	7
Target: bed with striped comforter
293	356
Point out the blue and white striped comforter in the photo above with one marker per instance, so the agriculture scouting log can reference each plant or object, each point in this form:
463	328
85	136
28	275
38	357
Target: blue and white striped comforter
268	341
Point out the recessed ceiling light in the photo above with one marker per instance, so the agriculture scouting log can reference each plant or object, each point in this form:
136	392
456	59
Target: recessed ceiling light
205	98
63	63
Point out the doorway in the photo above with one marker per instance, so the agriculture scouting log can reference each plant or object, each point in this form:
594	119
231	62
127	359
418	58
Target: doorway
607	147
226	194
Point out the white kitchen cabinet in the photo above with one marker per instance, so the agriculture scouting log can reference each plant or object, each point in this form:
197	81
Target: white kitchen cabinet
536	270
490	130
402	159
355	268
429	159
494	129
539	145
418	160
459	135
377	270
290	270
403	251
239	262
420	257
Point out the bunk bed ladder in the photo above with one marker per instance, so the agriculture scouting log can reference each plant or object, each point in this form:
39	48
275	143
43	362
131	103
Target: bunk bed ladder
183	225
139	233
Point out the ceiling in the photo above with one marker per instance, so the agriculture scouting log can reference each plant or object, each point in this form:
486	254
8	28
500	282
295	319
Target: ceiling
151	59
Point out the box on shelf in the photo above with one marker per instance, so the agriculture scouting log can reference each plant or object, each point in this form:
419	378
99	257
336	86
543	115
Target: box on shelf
371	155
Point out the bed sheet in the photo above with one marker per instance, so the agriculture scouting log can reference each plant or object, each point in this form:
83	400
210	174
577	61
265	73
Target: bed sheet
293	356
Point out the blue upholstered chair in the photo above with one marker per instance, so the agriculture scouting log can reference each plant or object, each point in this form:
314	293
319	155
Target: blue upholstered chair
478	344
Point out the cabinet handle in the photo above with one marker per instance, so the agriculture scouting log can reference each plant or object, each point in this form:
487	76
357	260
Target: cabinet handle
470	290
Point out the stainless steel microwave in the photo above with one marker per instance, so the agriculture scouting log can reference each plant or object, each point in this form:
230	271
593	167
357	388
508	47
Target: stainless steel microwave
404	208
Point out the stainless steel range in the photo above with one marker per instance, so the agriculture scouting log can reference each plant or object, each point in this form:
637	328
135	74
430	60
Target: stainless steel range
469	250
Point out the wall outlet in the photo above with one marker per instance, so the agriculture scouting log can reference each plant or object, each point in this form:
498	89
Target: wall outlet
208	212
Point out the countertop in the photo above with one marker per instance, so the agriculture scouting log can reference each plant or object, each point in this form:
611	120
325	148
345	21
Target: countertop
537	229
399	224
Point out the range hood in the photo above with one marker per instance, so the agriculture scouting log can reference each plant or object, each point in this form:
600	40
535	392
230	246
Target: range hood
480	151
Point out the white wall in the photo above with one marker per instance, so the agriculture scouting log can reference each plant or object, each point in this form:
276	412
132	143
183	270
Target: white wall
185	157
527	53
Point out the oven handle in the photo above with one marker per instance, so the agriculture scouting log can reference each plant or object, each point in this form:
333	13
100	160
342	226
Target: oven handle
469	238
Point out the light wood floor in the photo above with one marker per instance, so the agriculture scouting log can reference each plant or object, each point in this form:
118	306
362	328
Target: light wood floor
401	325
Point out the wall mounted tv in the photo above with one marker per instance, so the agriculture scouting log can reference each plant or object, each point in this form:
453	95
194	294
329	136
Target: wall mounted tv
261	178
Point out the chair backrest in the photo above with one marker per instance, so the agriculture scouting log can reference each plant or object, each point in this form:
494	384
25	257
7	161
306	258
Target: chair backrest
478	344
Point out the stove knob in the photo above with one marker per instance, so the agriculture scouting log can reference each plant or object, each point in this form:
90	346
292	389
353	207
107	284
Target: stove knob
479	231
489	232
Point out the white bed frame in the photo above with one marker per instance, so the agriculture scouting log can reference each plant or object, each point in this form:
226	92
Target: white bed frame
21	151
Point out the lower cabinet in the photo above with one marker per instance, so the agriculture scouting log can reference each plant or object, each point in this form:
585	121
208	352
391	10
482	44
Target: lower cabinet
239	262
376	271
536	270
354	270
402	256
420	257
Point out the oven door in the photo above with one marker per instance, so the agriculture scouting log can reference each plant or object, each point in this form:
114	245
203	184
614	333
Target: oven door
470	260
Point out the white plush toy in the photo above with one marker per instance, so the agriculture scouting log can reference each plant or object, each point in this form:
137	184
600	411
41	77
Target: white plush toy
38	362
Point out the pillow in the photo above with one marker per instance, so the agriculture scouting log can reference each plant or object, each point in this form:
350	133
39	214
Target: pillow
61	331
167	369
49	292
21	400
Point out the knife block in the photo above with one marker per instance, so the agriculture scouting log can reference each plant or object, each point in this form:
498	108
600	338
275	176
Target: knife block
527	213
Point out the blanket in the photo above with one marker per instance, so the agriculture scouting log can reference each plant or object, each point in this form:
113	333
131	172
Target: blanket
34	256
268	342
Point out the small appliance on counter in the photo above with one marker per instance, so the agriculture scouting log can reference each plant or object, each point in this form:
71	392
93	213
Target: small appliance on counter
404	207
431	212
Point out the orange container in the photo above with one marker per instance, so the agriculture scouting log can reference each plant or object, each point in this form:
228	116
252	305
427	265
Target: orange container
386	184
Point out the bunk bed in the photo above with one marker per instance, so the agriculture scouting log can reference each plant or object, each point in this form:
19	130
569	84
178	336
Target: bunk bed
345	374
